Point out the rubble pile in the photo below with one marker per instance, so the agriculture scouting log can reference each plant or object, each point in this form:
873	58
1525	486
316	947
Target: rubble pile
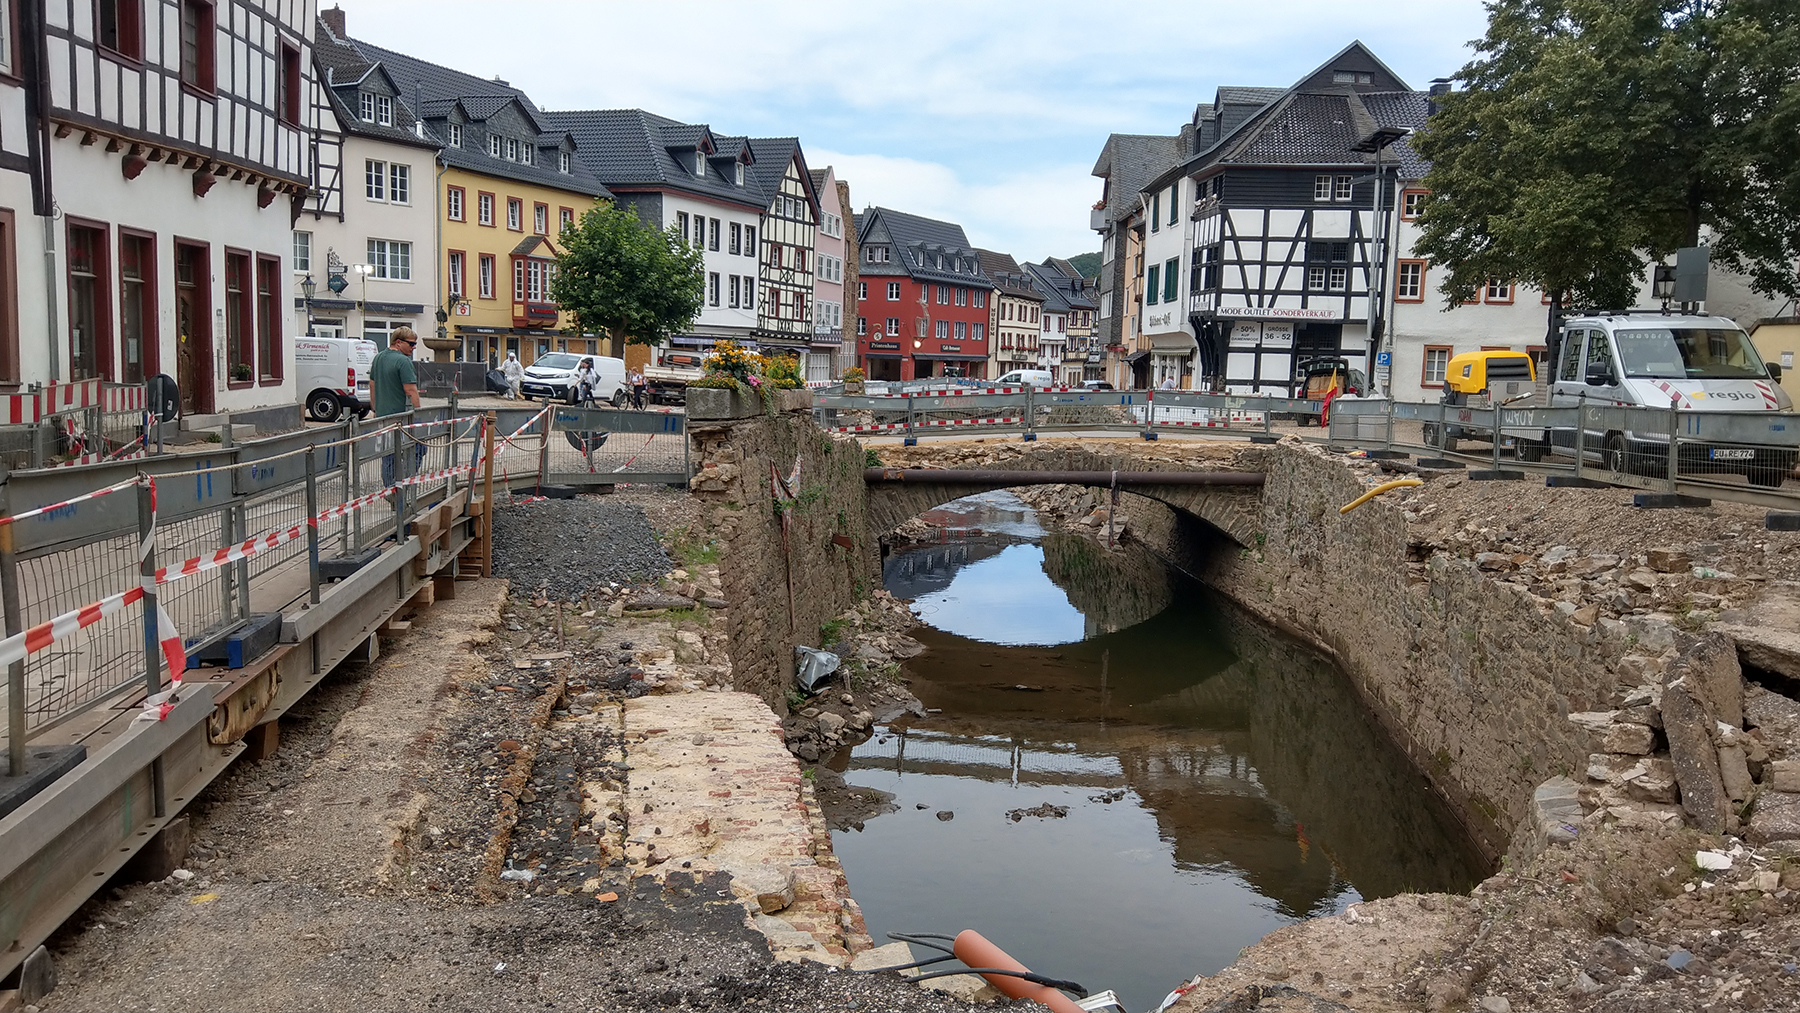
871	640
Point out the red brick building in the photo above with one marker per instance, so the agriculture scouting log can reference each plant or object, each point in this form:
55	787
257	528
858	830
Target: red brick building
922	299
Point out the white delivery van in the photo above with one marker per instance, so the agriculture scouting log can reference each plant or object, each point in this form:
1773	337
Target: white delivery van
333	376
1027	377
1658	360
552	377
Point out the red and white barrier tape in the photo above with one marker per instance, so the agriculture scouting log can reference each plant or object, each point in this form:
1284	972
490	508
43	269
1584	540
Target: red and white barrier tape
71	501
889	426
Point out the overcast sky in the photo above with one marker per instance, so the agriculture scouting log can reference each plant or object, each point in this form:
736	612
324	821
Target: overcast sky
987	114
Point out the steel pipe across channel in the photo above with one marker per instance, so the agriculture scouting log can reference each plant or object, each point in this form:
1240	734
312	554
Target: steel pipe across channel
1104	478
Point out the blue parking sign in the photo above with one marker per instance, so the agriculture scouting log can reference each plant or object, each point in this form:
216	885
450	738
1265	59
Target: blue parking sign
1384	358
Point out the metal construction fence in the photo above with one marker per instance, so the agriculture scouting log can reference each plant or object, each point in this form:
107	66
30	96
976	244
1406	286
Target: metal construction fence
237	530
1742	455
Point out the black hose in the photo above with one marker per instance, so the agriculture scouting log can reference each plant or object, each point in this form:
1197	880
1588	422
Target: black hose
919	938
1036	979
905	967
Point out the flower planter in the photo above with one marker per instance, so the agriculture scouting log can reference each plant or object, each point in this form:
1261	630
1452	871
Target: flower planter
853	386
722	403
798	400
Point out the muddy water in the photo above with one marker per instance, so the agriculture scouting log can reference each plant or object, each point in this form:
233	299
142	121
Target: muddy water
1140	781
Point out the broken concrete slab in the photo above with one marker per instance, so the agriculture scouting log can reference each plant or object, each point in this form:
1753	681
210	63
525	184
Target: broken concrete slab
1711	668
1777	818
1689	728
1556	809
1734	772
770	887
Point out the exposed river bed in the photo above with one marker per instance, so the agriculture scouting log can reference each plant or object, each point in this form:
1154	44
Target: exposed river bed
1122	780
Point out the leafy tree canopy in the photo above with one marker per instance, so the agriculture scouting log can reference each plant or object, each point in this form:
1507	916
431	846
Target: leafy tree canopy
621	277
1087	263
1590	137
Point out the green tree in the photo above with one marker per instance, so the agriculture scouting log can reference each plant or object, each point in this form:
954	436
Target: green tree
623	278
1590	137
1087	263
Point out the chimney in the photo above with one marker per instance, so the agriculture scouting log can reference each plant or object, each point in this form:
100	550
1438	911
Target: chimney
1439	86
334	20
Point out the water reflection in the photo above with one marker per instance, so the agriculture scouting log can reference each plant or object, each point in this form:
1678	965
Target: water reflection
1221	780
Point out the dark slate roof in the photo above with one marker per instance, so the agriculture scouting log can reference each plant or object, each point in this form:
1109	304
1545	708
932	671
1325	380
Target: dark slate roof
773	154
630	149
1315	123
438	90
818	181
1237	95
1128	161
1068	290
342	68
913	239
1008	276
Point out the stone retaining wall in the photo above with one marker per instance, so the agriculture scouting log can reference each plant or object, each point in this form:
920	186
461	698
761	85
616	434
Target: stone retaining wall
781	590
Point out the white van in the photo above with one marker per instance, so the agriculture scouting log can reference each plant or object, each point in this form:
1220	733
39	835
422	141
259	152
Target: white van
552	377
1027	377
332	375
1658	360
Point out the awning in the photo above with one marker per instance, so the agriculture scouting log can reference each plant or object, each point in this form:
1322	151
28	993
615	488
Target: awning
947	357
1136	357
1166	343
883	355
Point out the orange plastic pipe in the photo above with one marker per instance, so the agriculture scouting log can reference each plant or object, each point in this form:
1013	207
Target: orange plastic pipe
973	949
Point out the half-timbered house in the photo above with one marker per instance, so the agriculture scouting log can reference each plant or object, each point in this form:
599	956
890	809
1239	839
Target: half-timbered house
684	177
790	216
1280	205
509	181
927	298
152	155
366	243
1067	322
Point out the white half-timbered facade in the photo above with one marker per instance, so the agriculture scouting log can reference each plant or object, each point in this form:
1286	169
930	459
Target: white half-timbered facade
163	159
789	235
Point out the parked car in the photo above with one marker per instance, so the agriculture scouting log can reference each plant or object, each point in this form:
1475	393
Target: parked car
1480	380
1096	385
333	373
552	377
1027	377
1657	360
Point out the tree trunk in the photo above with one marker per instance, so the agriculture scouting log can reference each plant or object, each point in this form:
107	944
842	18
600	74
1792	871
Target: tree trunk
1693	213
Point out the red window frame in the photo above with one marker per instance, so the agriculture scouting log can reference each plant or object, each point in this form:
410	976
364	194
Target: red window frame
270	368
242	345
150	354
287	98
14	75
103	311
456	281
540	213
1512	293
492	205
206	38
512	203
130	30
9	297
462	204
1410	191
1424	378
565	217
493	276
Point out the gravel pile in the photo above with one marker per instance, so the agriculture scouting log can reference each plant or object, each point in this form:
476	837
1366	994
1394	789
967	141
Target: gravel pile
563	549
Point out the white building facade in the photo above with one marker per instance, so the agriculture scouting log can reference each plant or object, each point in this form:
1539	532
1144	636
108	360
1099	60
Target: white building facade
146	211
1165	327
830	266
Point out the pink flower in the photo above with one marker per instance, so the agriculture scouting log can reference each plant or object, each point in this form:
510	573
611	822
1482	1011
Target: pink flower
756	381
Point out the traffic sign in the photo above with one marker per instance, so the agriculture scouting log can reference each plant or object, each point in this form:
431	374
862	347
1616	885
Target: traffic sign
1384	358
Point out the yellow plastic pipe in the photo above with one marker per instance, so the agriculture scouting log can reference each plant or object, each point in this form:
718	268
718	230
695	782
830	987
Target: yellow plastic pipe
1398	483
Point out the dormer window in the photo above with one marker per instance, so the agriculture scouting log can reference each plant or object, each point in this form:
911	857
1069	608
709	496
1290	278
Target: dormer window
494	145
875	254
456	135
384	110
525	152
737	173
512	149
563	162
366	104
699	162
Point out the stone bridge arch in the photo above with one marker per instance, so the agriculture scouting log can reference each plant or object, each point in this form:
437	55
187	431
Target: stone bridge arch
1233	511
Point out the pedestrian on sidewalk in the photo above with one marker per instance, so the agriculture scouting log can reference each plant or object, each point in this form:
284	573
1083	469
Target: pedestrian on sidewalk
637	389
514	373
394	388
587	381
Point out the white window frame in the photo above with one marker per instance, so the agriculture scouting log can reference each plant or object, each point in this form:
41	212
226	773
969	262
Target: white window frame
365	106
487	266
399	183
374	180
893	291
1342	188
1338	280
494	146
6	36
862	326
457	261
563	162
942	329
525	152
1321	189
453	203
1409	281
390	259
456	135
302	240
384	110
1315	279
749	292
484	209
749	240
540	219
893	327
1440	358
515	214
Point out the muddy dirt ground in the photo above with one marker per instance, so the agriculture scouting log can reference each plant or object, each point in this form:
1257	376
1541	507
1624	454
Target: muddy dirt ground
359	867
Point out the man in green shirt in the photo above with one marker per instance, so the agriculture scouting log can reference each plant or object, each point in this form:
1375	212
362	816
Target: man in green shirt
393	383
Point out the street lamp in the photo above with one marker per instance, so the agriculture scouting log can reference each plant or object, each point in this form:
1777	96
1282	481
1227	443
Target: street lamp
1662	284
1378	141
307	288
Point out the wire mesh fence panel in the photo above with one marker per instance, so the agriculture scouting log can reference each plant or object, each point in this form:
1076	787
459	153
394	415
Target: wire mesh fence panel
87	667
621	446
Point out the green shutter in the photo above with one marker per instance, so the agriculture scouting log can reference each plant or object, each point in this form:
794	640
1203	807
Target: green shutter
1171	277
1150	286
